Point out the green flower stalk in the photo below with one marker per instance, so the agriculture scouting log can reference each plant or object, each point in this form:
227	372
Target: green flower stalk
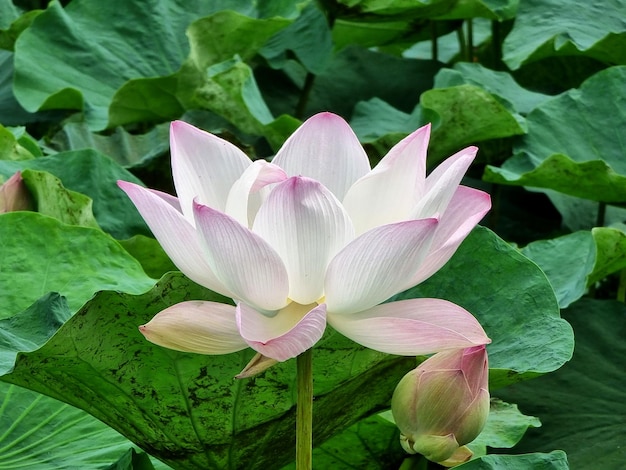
443	404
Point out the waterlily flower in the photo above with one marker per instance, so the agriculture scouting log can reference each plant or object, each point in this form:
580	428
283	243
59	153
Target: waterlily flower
316	236
443	404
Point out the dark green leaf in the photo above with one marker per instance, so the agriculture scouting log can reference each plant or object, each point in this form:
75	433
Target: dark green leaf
581	406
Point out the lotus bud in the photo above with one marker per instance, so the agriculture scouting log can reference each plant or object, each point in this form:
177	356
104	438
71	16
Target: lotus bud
443	404
13	195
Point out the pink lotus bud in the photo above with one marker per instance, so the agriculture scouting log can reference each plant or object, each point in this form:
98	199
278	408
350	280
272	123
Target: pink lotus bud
443	404
13	195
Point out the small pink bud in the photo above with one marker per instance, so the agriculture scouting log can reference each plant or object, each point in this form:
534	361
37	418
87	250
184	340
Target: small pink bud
13	195
443	404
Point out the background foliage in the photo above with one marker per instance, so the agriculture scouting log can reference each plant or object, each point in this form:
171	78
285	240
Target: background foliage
539	86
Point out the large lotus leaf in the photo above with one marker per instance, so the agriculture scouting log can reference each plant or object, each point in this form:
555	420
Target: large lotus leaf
187	409
40	433
567	261
574	142
54	200
545	28
500	84
40	254
512	299
582	406
95	175
150	254
129	150
464	115
64	43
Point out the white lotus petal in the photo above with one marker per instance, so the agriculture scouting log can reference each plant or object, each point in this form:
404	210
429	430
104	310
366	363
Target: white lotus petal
378	264
411	327
390	191
196	326
242	260
306	225
203	166
175	233
326	149
289	333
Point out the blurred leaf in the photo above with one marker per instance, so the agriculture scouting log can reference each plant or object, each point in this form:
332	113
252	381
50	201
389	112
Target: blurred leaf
464	115
514	302
54	200
573	143
357	74
149	253
545	28
308	38
95	175
581	406
401	8
375	120
493	9
500	84
40	254
10	147
129	150
41	433
611	248
185	408
567	261
556	460
68	42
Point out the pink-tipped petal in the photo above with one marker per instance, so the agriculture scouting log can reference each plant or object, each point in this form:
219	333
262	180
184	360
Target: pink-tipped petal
175	233
465	210
306	225
197	327
242	260
289	333
412	327
441	184
326	149
390	191
203	166
245	196
378	264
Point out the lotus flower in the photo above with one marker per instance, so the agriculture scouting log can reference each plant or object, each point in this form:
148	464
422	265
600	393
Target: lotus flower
13	194
443	404
316	236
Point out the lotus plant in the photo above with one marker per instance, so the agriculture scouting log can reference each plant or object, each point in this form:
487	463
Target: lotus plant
443	404
315	236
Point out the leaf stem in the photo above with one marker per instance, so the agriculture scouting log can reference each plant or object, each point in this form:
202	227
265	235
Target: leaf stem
304	412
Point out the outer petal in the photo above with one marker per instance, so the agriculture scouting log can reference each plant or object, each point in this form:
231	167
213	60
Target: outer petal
377	265
292	331
245	198
196	326
176	234
390	192
465	210
326	149
307	226
412	327
242	260
203	166
441	184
